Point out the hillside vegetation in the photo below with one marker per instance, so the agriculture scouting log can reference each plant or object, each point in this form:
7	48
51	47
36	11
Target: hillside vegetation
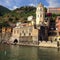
3	10
19	14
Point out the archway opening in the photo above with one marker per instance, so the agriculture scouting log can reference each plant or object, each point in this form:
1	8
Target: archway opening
15	41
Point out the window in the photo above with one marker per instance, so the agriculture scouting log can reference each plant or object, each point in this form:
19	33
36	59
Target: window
58	18
45	20
59	38
41	15
24	34
20	34
40	9
29	34
17	31
23	31
59	33
14	31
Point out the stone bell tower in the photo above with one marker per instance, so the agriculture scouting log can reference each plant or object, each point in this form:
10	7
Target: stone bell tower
40	15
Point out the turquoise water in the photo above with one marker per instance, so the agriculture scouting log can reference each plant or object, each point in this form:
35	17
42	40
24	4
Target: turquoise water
14	52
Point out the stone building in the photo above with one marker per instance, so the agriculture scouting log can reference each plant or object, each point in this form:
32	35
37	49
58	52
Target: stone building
25	33
31	32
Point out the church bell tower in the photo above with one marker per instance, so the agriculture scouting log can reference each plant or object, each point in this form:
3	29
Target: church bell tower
40	15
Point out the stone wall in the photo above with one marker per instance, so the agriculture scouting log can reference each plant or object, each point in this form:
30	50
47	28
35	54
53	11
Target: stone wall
25	39
4	37
47	44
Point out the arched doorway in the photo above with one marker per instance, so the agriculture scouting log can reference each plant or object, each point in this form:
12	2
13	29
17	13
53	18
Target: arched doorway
15	41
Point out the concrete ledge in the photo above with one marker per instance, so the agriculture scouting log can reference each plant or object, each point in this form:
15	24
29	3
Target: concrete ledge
48	44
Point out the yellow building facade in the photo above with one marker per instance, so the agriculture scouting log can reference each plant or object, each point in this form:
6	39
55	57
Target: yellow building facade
24	33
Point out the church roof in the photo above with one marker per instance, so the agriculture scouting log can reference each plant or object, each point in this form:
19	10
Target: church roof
40	4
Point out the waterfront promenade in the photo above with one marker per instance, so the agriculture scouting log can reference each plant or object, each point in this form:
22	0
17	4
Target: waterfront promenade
48	44
45	44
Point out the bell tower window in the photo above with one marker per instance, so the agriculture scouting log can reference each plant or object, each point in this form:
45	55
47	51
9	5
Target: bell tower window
38	16
40	9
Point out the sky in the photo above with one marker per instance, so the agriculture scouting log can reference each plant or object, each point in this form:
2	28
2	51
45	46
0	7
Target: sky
13	4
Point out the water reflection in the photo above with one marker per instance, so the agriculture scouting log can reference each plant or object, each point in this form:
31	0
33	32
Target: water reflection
15	52
23	53
48	54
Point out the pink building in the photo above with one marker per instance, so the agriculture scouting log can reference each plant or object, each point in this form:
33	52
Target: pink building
53	10
58	23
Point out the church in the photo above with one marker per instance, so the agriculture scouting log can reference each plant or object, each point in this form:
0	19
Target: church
33	32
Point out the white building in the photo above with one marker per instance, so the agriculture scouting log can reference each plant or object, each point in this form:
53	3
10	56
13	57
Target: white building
40	14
